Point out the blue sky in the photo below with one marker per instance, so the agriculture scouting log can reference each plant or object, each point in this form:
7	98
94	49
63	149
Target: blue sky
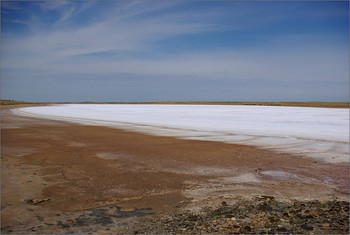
175	50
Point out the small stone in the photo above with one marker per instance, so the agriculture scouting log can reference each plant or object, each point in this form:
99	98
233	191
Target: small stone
281	228
127	209
223	203
265	197
36	200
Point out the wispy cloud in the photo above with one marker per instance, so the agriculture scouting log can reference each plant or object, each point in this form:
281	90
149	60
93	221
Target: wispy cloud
53	5
65	16
107	35
9	6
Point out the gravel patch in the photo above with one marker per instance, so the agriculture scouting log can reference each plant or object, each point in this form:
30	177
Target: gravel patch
261	215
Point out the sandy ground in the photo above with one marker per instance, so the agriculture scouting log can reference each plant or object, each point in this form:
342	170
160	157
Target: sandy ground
98	179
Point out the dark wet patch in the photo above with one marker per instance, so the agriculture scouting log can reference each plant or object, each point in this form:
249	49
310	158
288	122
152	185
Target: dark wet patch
104	216
6	229
63	225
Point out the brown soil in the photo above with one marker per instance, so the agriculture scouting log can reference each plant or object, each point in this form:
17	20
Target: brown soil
98	178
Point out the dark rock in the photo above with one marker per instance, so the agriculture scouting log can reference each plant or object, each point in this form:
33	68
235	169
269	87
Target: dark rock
273	219
307	227
248	228
281	229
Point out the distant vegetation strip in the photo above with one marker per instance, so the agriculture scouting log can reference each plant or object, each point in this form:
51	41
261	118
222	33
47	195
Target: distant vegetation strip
296	104
16	102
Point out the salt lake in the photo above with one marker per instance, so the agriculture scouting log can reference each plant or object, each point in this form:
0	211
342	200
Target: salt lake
321	133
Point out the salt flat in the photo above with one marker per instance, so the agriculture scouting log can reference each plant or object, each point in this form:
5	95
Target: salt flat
322	133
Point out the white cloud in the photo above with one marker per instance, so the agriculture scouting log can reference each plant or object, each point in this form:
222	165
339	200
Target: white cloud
122	30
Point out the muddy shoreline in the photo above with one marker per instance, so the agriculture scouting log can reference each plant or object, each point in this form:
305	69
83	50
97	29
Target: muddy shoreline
98	179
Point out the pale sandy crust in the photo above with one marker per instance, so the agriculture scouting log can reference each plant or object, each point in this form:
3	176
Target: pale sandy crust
88	171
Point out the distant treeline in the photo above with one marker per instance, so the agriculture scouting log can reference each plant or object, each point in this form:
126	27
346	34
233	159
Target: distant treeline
297	104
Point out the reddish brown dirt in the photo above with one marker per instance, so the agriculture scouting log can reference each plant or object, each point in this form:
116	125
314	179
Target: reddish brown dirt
81	168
